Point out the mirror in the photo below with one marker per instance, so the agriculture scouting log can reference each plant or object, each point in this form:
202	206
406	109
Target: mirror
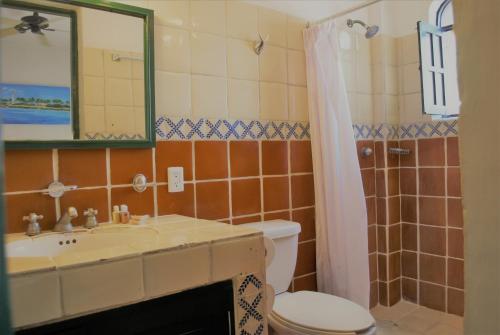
76	74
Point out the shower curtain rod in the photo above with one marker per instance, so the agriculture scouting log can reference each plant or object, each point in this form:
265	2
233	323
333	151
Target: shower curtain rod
352	9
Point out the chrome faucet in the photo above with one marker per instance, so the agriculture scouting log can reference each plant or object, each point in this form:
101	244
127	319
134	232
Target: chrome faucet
64	225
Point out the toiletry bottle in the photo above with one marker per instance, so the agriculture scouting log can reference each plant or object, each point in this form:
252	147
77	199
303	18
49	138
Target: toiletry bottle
124	214
116	214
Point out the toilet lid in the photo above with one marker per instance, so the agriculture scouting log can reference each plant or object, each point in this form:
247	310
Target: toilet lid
322	311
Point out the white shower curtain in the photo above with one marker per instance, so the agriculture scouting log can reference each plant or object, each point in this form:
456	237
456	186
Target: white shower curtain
341	218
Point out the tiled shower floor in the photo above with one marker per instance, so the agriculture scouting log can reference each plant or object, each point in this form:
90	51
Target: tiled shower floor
406	318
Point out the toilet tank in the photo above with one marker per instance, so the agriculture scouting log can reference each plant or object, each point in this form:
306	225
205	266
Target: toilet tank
285	235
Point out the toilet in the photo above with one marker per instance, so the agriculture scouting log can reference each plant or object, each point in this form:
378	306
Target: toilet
304	312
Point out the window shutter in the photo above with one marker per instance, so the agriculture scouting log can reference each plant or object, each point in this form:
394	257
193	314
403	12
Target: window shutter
432	70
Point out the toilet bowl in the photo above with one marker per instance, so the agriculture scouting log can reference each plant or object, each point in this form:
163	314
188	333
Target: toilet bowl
304	312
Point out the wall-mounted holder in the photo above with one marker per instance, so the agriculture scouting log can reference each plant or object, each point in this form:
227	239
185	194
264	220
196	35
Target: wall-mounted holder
259	45
118	57
140	183
398	151
56	189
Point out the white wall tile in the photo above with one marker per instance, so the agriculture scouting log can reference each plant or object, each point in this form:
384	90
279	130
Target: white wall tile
118	92
120	119
208	54
378	80
173	94
273	101
243	99
411	78
297	68
208	16
93	62
209	96
353	106
295	38
408	49
272	24
392	109
102	285
173	13
172	271
365	113
138	92
94	119
93	90
233	257
412	108
363	77
35	298
377	49
172	49
242	61
384	50
297	103
273	64
391	80
379	108
349	74
242	20
140	120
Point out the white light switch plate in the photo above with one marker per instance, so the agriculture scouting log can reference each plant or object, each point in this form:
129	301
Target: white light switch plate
175	179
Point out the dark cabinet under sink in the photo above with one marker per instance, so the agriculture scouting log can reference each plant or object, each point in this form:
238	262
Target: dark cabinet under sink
204	310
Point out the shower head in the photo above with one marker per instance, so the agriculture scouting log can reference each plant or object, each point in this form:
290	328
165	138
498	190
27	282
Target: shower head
370	30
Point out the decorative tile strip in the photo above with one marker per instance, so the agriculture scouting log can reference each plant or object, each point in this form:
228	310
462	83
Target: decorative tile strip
170	128
429	129
250	308
107	136
381	131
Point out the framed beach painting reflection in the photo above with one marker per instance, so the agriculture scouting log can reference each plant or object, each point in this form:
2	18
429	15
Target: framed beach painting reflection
36	112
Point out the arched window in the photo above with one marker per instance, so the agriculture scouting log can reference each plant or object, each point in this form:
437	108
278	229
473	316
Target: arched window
438	61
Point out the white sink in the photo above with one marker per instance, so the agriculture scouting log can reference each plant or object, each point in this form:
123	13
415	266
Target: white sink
53	245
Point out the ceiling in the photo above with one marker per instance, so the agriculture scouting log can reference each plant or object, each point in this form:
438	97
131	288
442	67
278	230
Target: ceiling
310	10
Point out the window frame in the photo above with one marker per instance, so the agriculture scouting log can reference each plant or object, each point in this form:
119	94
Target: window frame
435	100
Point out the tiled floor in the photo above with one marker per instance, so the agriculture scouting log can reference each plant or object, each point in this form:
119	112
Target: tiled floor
406	318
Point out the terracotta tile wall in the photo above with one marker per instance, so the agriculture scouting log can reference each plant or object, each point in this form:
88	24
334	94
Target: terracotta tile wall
229	181
367	166
432	229
388	223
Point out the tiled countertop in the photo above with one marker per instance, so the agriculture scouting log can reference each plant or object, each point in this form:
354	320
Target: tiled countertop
168	254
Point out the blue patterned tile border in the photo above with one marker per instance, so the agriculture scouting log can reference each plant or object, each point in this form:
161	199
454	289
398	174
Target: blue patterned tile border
429	129
107	136
250	307
170	128
379	131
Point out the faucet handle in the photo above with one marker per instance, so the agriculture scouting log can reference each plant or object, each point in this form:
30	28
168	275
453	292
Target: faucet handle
32	217
33	226
91	219
90	212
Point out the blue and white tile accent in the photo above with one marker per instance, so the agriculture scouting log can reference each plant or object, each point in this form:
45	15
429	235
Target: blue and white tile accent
430	129
250	310
107	136
171	128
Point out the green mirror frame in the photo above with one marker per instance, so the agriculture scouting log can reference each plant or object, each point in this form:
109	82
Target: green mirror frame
147	16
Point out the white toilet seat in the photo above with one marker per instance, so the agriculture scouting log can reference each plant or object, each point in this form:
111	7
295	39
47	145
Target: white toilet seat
313	313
